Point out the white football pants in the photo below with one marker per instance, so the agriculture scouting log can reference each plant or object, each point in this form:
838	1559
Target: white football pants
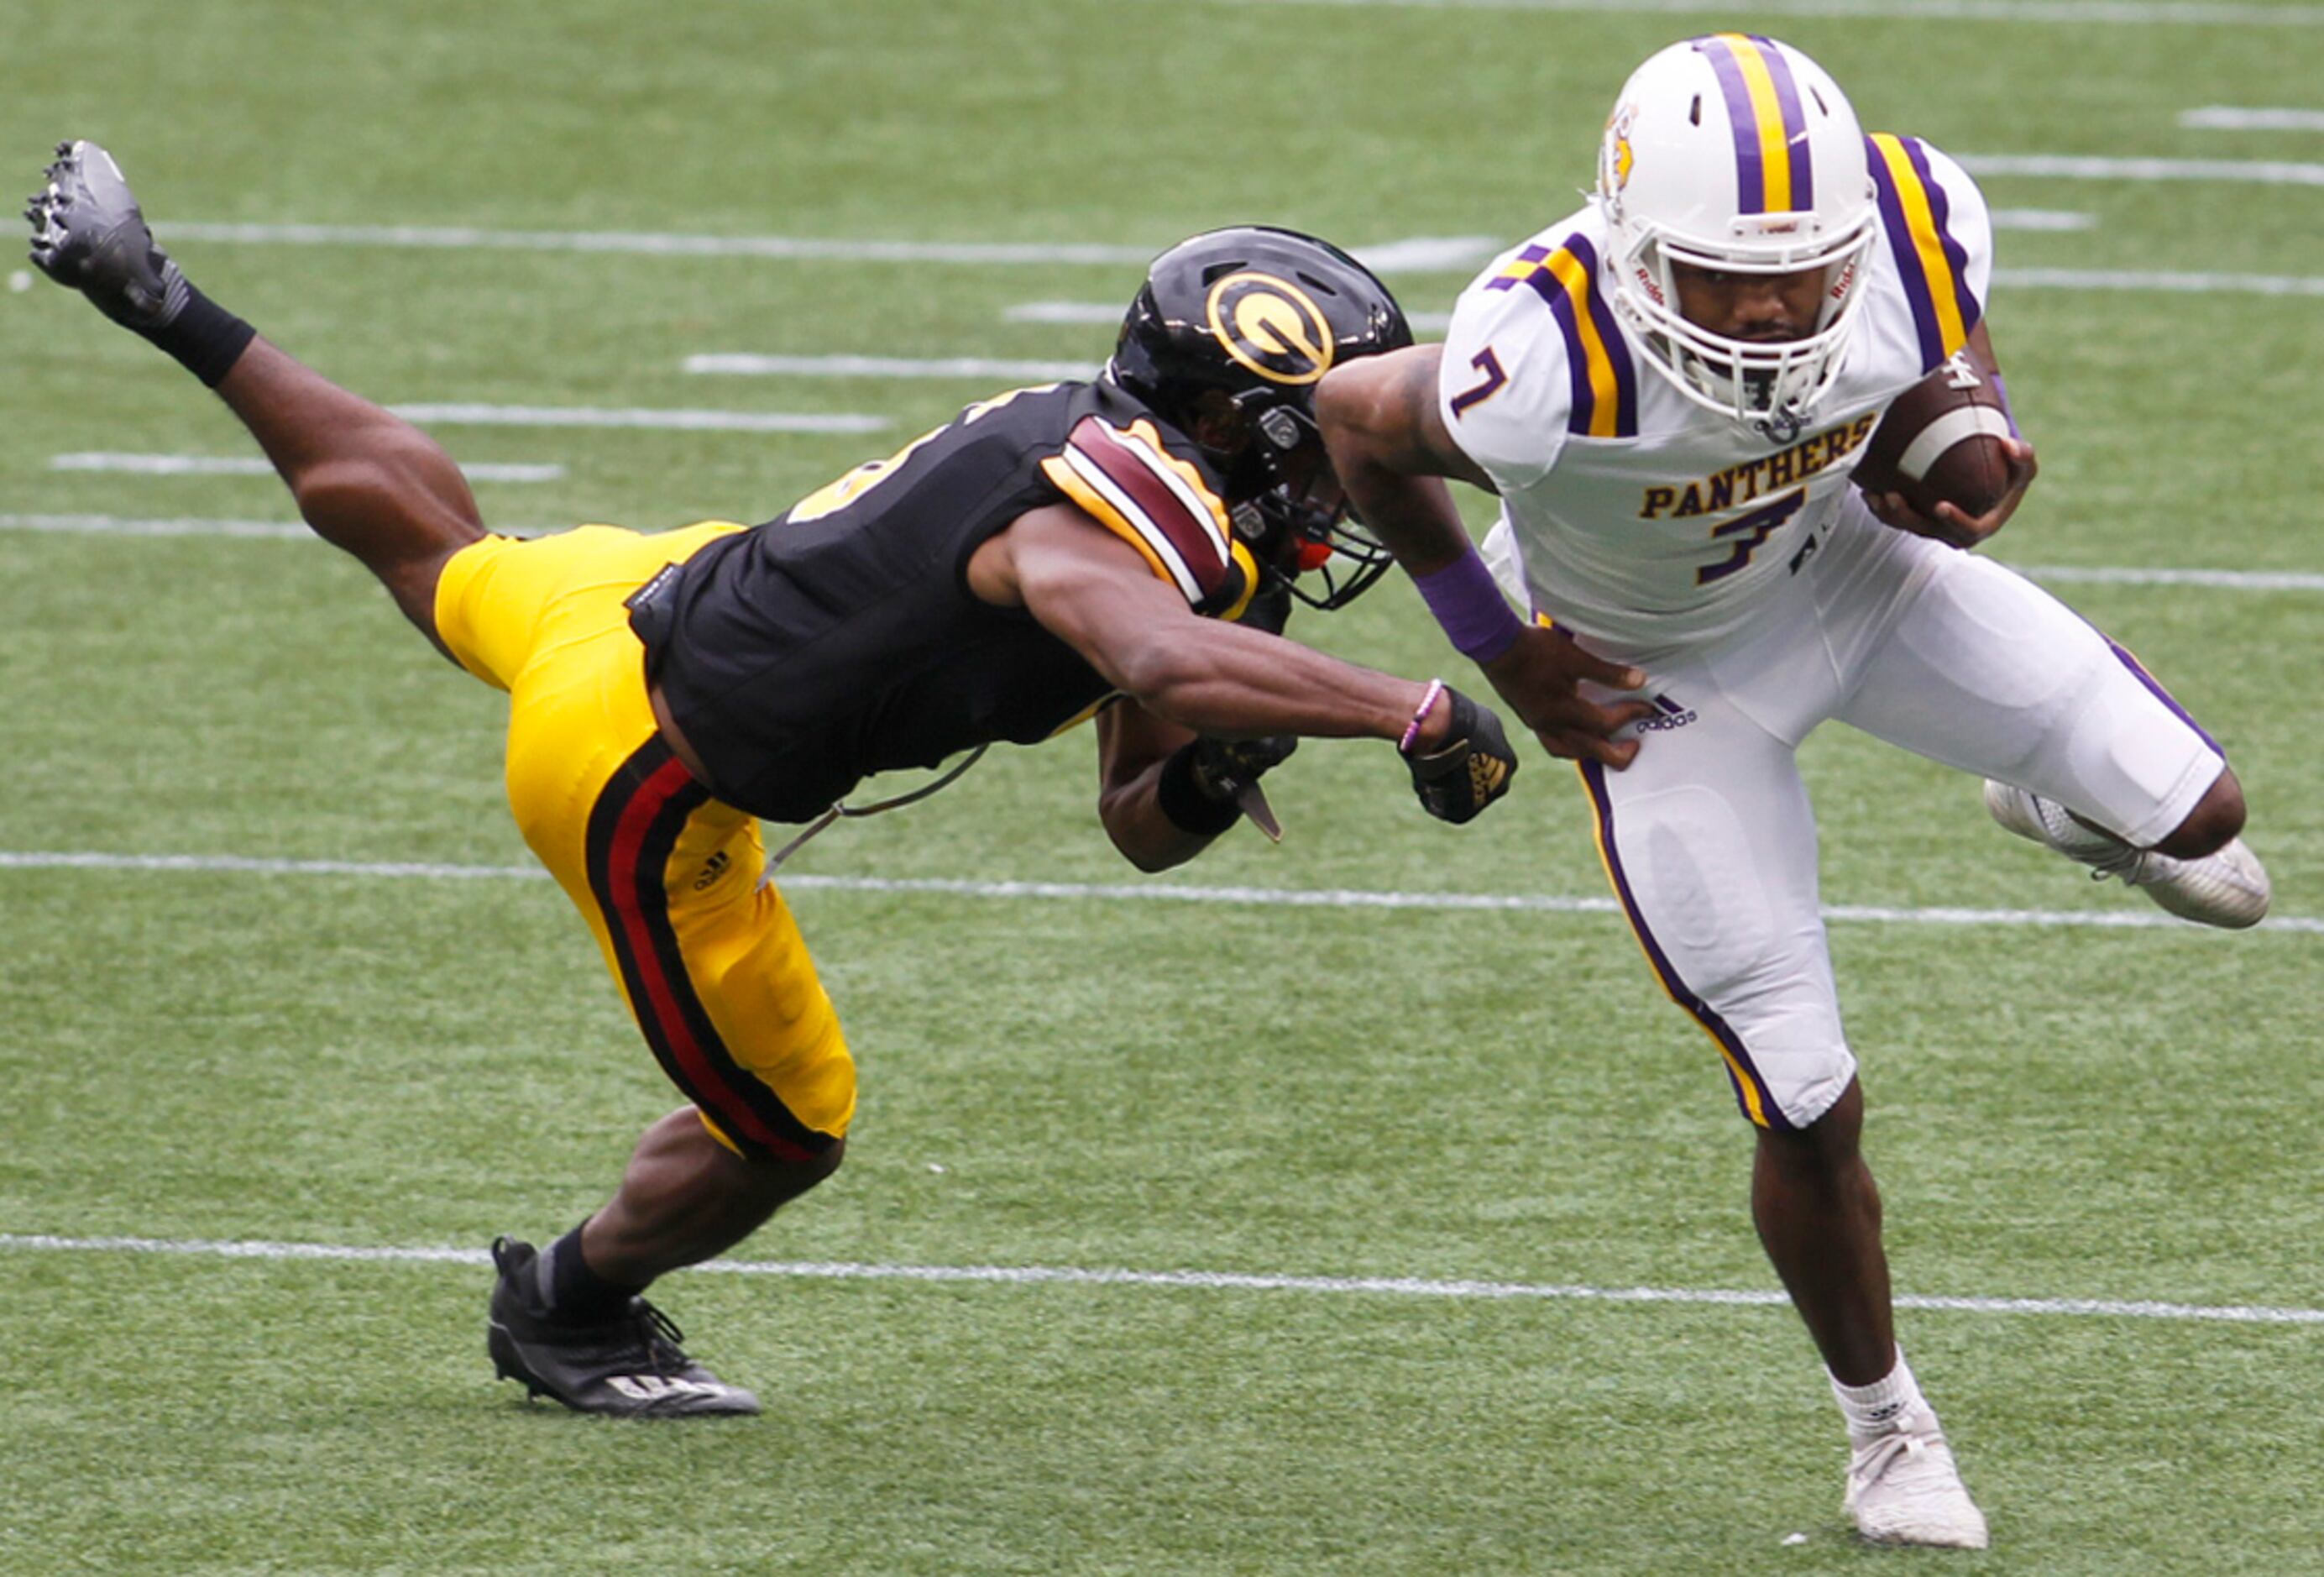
1708	838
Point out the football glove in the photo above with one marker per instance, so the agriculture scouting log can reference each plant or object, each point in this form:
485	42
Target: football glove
1471	770
1222	766
89	233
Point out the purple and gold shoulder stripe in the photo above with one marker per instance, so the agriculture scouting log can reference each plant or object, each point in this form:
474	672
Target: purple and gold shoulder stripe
1156	502
1596	357
1773	172
1934	266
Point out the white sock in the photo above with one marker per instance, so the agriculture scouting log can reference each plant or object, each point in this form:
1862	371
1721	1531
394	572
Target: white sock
1875	1409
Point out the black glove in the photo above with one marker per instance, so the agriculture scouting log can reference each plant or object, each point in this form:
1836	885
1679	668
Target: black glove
1471	770
1202	785
89	233
1221	766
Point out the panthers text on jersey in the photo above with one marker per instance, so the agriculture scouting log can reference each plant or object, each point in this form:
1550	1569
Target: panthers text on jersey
840	639
1639	518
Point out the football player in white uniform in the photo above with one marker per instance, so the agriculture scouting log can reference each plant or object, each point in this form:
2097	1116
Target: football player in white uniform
1668	391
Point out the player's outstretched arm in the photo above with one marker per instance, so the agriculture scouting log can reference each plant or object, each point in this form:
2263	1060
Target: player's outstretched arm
1092	591
366	481
1387	441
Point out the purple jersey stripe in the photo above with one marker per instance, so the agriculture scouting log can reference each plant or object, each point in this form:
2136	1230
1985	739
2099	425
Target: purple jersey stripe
1907	259
1609	334
1795	121
1551	289
2162	694
1739	1066
1750	179
1940	211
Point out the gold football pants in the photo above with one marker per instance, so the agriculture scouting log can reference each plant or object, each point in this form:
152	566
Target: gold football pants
707	956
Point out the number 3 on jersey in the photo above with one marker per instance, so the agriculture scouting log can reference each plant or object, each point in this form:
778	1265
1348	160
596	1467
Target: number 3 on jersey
1746	532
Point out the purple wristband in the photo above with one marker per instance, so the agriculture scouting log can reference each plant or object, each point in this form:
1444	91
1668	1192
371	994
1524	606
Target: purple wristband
1470	605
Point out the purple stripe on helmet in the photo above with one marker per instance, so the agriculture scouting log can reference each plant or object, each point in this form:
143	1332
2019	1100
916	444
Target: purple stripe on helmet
1593	776
1506	282
2162	694
1750	179
1609	334
1795	121
1941	211
1908	260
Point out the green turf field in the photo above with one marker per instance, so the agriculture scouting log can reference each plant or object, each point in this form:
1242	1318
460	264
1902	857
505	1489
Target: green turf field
1373	1117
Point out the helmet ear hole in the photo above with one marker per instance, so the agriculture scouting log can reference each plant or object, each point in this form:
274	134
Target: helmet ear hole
1280	428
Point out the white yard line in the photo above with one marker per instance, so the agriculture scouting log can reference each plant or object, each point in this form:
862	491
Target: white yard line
2199	285
747	365
1104	312
1429	254
461	414
1179	1280
103	525
190	526
657	243
258	465
2141	918
2035	279
2051	220
2223	118
1109	314
150	526
2082	166
1416	254
2120	12
2218	579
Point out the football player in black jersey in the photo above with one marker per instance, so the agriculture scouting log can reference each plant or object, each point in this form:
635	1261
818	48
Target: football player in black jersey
1118	546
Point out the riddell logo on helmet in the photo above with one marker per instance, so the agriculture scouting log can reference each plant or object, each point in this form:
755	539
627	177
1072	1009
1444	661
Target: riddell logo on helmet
1271	327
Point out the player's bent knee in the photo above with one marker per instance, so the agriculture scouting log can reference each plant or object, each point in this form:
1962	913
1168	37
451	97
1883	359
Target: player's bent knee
1827	1141
776	1179
2216	820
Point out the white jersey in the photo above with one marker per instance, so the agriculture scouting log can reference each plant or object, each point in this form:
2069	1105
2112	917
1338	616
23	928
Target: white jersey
1637	517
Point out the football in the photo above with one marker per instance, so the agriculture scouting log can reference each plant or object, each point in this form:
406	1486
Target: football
1942	441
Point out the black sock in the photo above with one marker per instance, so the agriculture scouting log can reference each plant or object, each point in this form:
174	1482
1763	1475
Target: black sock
577	1294
205	338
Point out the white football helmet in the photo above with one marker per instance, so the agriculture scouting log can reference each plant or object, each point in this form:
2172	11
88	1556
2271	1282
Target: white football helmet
1738	154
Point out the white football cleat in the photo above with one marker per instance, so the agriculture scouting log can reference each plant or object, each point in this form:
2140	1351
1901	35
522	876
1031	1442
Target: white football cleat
2227	886
1903	1488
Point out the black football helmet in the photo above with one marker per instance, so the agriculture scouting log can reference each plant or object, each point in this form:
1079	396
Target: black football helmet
1259	315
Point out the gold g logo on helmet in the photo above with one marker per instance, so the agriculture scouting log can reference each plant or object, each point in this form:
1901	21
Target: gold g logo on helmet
1271	327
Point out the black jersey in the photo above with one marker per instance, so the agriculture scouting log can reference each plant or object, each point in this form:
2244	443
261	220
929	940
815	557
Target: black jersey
840	639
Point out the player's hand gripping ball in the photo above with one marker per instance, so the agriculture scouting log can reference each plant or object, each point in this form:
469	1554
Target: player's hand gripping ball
1944	441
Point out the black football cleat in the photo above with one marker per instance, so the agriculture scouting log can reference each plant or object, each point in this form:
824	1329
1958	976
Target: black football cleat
88	233
629	1367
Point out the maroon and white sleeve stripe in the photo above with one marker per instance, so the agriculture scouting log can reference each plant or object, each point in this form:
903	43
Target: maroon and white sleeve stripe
1142	492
